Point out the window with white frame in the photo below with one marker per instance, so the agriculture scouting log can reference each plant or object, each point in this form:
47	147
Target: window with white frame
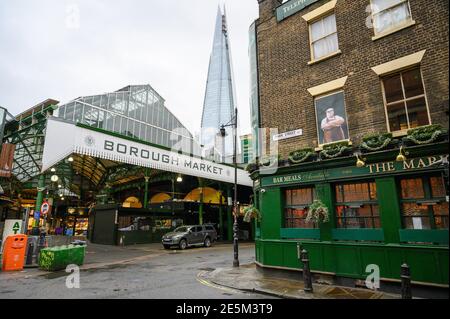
405	100
389	14
323	37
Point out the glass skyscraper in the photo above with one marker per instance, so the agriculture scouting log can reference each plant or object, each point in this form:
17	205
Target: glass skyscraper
219	103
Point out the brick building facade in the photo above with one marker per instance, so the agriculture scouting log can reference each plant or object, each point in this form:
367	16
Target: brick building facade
285	75
366	181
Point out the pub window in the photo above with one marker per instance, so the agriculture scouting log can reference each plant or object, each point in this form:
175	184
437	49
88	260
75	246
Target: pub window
357	206
297	203
390	14
323	37
405	100
423	203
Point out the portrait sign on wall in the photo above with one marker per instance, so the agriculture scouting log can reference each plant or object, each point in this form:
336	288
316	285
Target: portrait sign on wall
331	118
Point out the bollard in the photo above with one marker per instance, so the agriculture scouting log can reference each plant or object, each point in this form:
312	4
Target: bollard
406	282
29	260
299	253
307	279
40	245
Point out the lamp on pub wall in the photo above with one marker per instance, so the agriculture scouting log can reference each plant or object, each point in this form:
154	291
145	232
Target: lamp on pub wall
360	162
401	157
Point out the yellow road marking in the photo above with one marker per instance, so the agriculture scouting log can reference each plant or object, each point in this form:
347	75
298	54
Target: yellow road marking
211	285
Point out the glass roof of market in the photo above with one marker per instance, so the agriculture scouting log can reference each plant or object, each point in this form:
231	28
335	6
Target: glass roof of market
136	111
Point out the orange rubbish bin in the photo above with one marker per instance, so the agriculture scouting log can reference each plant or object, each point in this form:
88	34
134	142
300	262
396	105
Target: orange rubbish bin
14	252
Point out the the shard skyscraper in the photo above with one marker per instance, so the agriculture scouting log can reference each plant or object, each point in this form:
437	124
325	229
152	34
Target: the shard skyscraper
219	102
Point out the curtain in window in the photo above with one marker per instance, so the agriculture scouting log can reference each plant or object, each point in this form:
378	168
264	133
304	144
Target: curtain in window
324	37
389	13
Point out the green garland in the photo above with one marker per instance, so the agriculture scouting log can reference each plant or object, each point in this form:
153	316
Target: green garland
317	213
300	156
265	160
432	138
376	142
425	134
335	149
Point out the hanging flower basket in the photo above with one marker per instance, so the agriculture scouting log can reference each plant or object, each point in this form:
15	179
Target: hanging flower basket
251	212
317	213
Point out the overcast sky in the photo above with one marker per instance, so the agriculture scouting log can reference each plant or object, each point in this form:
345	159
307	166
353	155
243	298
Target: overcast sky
63	49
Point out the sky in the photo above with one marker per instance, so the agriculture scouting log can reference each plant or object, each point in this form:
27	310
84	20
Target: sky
64	49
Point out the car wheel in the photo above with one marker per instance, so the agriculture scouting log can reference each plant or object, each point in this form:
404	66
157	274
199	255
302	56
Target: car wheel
183	244
166	247
207	242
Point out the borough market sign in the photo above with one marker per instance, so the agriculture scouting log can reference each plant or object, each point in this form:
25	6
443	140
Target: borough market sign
63	139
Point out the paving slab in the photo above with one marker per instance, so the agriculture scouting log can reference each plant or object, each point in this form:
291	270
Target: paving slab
248	278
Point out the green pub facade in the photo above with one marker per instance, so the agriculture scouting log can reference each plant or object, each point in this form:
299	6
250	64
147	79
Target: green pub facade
371	103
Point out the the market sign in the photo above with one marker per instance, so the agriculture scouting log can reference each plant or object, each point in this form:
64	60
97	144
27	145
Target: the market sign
63	138
391	167
286	135
291	7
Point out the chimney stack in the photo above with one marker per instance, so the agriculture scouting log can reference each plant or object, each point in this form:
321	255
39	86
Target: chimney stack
266	8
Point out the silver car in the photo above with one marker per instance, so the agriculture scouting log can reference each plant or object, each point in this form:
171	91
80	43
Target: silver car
191	235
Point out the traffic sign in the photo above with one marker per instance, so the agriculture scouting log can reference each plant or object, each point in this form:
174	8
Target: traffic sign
45	208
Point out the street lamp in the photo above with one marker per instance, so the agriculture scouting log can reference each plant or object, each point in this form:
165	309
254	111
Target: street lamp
179	180
233	122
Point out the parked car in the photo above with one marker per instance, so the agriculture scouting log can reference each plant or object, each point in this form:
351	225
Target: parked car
190	235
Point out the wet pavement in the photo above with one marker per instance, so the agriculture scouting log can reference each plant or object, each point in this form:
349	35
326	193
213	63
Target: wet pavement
248	278
140	271
150	271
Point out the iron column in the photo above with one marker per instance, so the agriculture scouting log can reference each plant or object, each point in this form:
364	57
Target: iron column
235	226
